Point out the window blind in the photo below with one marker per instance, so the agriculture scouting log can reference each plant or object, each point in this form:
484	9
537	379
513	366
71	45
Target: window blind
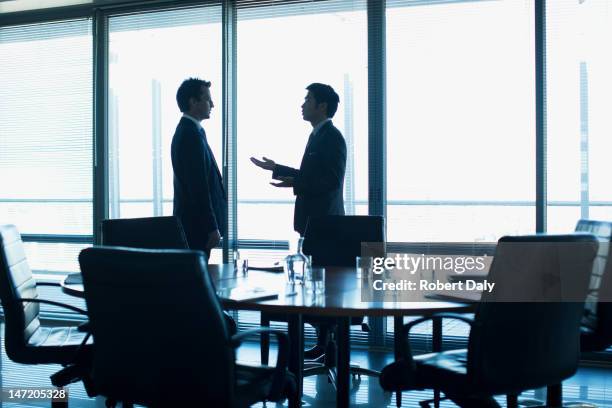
332	31
460	90
46	144
46	134
150	54
578	124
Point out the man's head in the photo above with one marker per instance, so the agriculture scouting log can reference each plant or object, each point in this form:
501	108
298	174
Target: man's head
320	103
193	98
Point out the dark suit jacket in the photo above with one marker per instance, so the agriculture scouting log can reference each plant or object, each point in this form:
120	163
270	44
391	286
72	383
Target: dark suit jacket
199	196
319	182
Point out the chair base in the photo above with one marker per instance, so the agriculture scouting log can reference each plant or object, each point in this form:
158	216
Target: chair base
355	370
68	375
554	399
425	403
466	402
332	375
313	368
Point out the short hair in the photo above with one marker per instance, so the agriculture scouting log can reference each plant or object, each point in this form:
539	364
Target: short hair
190	88
325	94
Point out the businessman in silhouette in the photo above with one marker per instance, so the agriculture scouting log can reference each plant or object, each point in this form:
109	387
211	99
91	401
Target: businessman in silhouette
199	196
318	183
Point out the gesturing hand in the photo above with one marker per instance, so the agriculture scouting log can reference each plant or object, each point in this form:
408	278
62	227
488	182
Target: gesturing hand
284	182
266	164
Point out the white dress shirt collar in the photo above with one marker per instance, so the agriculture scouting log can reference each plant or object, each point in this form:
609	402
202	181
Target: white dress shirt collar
320	125
194	120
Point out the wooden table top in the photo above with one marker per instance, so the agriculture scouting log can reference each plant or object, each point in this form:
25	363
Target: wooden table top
342	297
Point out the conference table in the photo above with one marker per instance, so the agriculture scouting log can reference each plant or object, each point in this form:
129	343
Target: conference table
342	299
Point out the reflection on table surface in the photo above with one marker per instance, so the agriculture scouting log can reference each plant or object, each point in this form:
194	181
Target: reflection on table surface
342	297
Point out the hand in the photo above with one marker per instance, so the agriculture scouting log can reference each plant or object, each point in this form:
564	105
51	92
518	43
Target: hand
266	164
214	237
284	182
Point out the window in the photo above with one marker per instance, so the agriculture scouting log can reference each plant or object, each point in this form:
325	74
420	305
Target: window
46	139
579	95
9	6
460	120
150	55
281	50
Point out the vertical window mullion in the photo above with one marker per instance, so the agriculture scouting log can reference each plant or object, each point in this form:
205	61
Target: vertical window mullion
377	195
100	112
540	95
229	23
376	108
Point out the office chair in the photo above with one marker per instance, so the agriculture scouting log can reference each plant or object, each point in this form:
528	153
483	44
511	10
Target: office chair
174	349
596	328
524	335
150	233
27	341
596	325
335	240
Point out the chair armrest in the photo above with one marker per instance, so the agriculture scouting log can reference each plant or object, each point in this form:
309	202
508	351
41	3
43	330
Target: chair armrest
408	326
282	359
53	303
405	352
48	284
84	327
283	343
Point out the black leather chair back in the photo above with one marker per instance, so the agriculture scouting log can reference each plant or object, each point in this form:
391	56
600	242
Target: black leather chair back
158	330
535	340
150	232
16	281
335	240
597	317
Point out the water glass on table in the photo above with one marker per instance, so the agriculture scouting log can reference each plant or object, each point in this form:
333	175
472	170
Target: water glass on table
240	264
365	267
315	280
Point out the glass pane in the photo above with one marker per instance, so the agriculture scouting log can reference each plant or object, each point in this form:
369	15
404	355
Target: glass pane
460	129
460	223
66	217
51	257
46	138
271	89
254	215
579	95
562	219
150	55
